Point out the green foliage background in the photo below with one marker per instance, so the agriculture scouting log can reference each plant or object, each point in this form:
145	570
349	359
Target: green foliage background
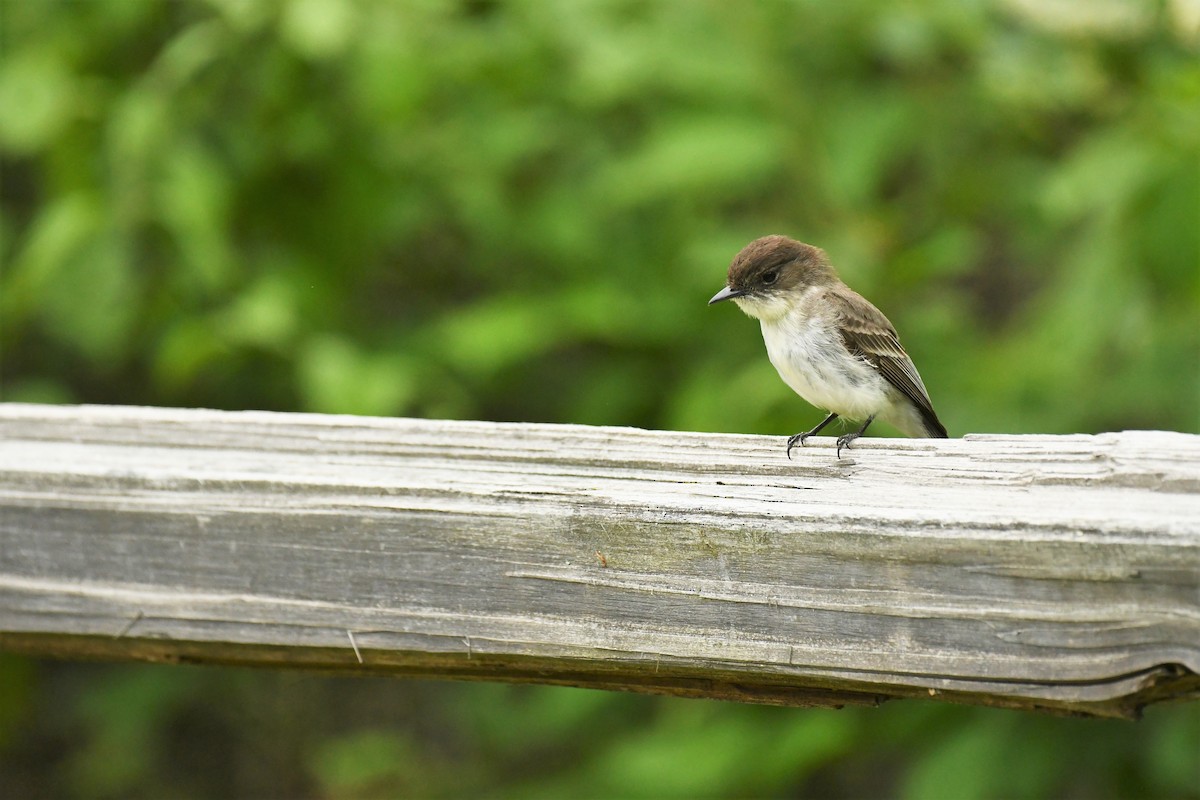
517	211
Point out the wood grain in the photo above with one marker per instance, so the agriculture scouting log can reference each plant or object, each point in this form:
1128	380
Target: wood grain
1051	572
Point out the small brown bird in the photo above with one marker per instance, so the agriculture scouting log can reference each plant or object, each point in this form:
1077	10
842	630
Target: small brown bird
830	345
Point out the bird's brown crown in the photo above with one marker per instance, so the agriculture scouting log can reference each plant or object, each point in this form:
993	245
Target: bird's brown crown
779	263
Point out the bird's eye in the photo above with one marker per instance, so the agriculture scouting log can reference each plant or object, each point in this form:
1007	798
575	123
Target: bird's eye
770	276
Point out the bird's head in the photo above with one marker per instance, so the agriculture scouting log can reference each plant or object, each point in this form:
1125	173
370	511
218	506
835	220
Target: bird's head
770	275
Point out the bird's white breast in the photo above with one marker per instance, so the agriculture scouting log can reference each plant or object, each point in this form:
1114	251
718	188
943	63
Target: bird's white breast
809	355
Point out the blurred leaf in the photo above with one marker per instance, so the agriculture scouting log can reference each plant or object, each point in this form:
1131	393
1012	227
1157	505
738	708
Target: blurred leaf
865	138
37	99
241	15
1102	175
495	333
194	200
187	54
137	133
35	390
318	28
549	715
694	155
60	231
1175	752
123	713
264	314
338	378
694	750
962	766
374	764
79	280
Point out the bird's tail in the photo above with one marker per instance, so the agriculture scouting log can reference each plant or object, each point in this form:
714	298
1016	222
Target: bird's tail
933	427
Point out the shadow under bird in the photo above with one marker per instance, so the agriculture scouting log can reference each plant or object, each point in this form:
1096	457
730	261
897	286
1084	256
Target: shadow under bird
828	343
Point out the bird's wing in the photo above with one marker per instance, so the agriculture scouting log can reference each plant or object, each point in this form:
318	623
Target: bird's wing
867	333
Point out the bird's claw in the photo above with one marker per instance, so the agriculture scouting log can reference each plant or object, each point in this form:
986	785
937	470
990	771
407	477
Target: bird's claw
798	439
844	441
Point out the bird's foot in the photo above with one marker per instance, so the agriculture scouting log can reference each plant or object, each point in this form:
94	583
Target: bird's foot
798	439
844	441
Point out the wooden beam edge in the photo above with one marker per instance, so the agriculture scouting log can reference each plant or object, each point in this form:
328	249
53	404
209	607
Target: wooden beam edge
1164	683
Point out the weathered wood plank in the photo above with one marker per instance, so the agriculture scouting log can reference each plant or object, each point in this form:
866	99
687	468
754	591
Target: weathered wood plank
1056	572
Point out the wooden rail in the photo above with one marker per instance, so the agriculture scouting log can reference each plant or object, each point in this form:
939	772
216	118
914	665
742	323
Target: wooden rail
1051	572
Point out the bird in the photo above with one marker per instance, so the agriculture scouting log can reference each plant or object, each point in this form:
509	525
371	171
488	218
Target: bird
828	343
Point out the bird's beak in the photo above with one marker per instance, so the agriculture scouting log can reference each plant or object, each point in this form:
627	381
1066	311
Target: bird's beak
726	294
